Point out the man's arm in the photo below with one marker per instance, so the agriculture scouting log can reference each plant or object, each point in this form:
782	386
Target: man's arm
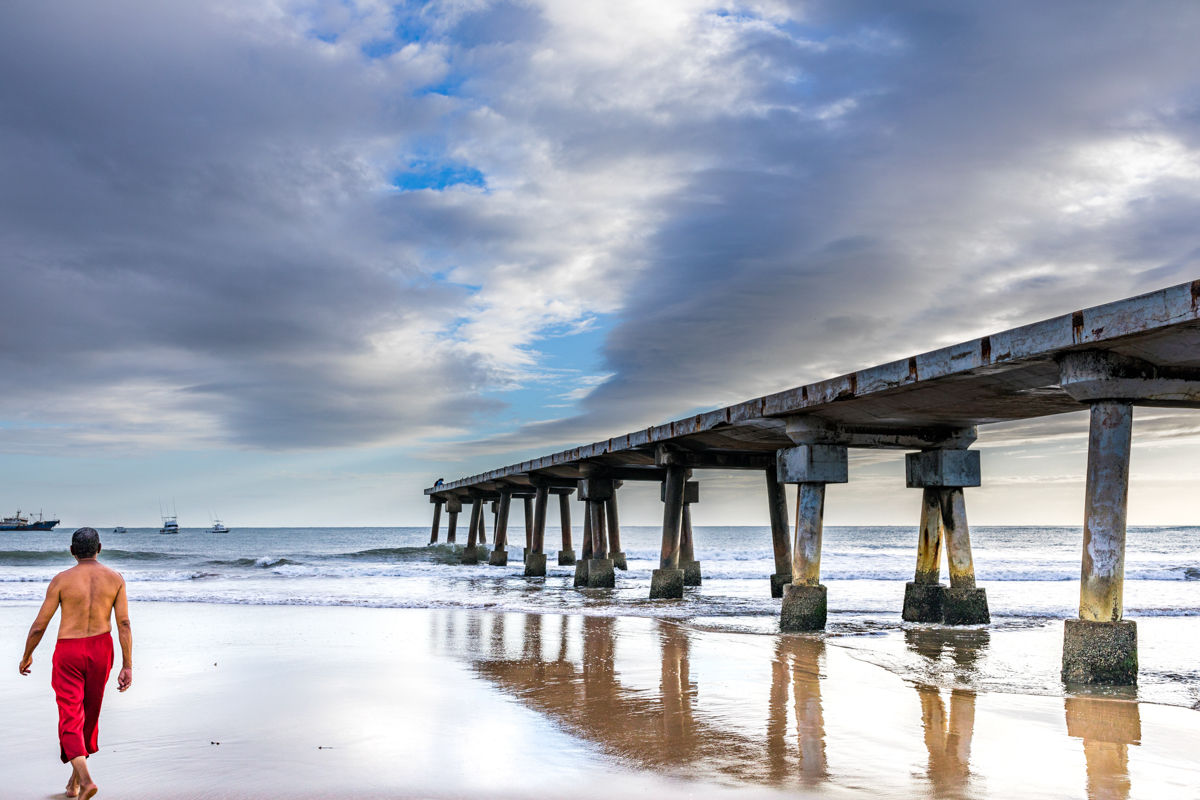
40	624
125	634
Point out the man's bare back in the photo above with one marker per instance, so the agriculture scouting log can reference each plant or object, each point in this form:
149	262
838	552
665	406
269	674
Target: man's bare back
89	595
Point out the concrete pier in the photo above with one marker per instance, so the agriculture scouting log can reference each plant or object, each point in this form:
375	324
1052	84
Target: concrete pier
963	603
1136	351
585	555
453	508
666	582
942	474
614	531
600	566
811	466
1100	647
535	559
528	525
923	595
566	556
438	502
687	547
499	555
780	535
596	492
470	554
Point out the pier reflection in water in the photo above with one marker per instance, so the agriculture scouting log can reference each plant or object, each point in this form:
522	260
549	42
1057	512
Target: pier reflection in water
794	712
1107	727
948	732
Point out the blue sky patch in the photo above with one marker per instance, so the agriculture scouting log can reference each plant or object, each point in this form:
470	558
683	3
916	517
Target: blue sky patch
437	175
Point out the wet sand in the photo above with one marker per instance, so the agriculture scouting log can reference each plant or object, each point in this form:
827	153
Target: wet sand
355	702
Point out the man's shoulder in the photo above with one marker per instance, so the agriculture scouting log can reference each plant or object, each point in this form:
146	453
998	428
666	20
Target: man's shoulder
110	572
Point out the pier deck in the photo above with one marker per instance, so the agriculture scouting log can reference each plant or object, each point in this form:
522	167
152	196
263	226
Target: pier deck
1007	376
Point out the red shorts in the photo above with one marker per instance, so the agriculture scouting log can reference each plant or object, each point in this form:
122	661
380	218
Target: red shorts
81	668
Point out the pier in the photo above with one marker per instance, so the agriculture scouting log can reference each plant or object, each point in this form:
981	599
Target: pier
1142	350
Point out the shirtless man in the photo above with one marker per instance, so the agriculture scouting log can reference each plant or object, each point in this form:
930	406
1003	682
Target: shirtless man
88	593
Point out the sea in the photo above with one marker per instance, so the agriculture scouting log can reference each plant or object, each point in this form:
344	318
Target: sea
1031	575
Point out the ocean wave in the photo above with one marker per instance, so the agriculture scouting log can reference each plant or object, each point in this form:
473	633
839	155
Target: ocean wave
20	558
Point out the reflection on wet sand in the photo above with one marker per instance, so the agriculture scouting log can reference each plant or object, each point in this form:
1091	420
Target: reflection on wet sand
948	741
590	676
948	736
661	730
1107	728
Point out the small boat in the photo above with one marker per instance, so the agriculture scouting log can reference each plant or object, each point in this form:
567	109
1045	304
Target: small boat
217	527
119	529
18	523
169	525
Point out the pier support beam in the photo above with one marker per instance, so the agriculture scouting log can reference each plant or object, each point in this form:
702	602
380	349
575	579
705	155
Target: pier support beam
596	492
614	531
535	559
528	526
453	507
942	474
687	546
812	466
780	535
438	502
470	554
666	582
1100	647
499	556
566	556
585	554
923	595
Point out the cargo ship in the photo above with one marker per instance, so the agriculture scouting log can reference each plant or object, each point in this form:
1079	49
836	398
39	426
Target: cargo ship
18	523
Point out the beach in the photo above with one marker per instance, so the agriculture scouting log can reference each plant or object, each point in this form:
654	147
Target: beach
361	702
365	663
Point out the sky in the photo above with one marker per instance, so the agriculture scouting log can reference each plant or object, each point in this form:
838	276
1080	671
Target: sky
288	263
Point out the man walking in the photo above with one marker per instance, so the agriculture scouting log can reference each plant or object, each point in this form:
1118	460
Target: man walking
88	593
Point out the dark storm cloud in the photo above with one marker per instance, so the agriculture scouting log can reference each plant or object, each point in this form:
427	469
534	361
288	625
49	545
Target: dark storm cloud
990	164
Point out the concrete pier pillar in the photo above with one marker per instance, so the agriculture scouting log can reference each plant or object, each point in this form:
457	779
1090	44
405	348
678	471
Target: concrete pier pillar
453	507
528	526
585	555
942	474
923	595
963	603
1100	647
481	536
666	582
687	549
780	535
499	555
614	532
812	466
535	560
804	599
437	518
601	574
566	556
470	553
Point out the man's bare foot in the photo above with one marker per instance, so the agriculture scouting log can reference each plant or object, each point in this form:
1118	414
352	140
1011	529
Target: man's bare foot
73	786
86	788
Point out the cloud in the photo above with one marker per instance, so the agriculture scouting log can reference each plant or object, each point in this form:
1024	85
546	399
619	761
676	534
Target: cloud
289	225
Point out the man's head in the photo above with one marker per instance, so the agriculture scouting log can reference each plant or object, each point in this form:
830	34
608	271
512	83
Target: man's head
85	543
